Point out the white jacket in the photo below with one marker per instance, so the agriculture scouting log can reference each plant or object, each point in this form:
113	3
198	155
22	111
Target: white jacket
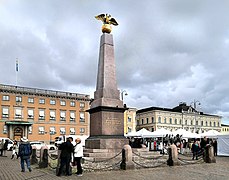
78	150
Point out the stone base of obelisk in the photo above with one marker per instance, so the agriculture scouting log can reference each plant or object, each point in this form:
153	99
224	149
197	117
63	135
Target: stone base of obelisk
106	128
106	142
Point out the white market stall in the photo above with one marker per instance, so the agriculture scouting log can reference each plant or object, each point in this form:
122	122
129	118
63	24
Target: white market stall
210	134
223	145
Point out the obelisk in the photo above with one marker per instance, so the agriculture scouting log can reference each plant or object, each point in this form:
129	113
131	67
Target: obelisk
106	111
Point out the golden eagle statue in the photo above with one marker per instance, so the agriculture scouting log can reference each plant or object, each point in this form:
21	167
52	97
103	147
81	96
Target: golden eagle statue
107	21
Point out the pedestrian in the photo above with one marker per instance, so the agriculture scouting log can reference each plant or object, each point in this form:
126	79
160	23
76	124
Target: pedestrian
195	149
78	154
1	146
25	151
5	147
215	147
67	150
15	150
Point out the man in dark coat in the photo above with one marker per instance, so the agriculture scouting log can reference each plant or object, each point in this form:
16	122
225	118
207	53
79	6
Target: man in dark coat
25	151
65	157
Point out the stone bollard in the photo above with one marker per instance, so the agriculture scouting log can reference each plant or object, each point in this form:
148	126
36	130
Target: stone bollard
174	156
209	156
34	156
58	162
170	160
43	157
127	162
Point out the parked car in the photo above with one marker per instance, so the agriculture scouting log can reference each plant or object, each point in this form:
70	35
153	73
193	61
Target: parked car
37	144
10	144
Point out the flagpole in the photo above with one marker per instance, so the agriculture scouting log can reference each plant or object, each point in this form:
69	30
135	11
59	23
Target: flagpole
16	69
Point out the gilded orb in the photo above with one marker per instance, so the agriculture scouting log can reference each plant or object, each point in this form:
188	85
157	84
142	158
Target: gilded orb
106	28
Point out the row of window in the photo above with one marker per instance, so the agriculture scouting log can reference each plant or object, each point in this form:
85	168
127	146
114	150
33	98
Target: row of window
225	129
51	131
186	122
42	101
52	114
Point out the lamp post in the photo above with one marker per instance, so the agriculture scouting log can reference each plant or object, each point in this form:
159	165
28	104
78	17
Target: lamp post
123	92
195	103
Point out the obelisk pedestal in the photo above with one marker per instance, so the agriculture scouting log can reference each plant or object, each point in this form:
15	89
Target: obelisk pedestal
107	111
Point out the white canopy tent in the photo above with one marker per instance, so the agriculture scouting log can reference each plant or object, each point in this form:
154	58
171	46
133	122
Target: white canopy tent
210	134
141	133
186	134
158	133
223	145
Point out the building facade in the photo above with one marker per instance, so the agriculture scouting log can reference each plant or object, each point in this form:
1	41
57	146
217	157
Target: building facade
130	120
224	129
180	117
41	114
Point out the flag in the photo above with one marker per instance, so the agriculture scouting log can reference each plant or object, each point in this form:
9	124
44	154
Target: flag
17	65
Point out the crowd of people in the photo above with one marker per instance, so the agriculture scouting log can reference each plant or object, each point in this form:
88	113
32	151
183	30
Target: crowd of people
70	154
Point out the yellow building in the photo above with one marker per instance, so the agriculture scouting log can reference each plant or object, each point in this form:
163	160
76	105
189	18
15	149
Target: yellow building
130	120
180	117
41	114
224	129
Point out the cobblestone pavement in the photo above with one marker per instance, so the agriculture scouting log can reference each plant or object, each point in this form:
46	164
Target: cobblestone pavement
10	170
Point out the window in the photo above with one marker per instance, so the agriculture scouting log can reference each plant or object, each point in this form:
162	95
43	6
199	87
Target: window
175	121
186	122
31	100
18	113
206	123
147	120
52	115
52	102
82	119
82	104
210	123
30	114
214	124
72	104
72	131
41	101
72	116
129	129
170	120
152	129
152	119
82	130
202	123
159	119
181	121
62	102
62	115
5	98
142	121
138	122
41	114
30	129
165	121
52	131
5	112
41	130
4	129
62	130
191	122
18	99
129	119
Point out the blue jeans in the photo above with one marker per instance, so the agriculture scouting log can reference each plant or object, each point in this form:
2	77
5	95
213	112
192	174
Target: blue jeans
27	163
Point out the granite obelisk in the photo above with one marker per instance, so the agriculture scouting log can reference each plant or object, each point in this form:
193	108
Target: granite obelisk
106	111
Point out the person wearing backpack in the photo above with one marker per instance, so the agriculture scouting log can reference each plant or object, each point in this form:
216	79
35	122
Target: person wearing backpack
25	151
